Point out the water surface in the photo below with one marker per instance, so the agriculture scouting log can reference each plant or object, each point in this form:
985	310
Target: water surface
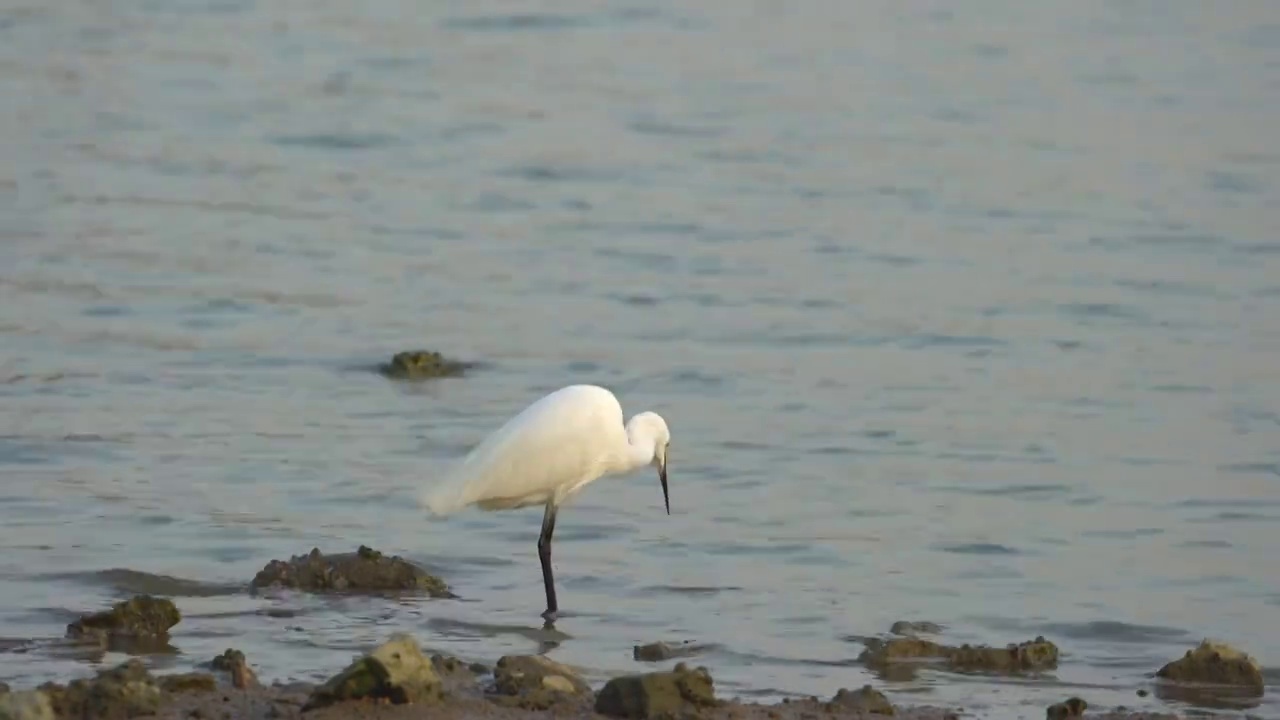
959	313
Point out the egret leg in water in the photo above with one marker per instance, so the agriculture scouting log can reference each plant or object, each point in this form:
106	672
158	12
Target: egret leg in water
546	454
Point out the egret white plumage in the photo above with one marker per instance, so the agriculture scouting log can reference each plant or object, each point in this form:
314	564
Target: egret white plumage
548	453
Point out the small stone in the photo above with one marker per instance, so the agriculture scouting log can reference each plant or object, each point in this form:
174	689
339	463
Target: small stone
396	670
658	694
1217	664
1070	709
233	662
865	699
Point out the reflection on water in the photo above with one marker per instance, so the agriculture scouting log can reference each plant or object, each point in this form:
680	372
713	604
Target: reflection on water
965	314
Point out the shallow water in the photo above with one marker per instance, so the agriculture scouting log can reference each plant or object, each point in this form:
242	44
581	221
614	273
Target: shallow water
967	314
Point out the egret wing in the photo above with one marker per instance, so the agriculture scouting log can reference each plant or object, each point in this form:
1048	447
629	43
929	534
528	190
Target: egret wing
554	444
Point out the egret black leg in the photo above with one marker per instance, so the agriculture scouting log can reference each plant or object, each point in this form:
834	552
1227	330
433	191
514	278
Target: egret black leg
544	554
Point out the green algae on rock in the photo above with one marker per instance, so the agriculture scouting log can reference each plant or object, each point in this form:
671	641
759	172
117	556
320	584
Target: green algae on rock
1031	656
1070	709
139	624
658	695
365	570
121	692
396	671
1214	663
534	682
865	699
422	365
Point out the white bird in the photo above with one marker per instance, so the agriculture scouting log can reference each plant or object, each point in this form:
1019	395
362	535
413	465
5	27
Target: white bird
546	454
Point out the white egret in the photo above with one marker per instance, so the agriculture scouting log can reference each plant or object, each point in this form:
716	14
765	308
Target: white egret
546	454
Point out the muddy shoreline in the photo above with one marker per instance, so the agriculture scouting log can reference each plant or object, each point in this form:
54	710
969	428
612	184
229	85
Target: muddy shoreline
396	679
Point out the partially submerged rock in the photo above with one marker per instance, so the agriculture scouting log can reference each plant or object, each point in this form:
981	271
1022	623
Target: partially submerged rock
1070	709
656	695
534	682
910	628
659	651
396	671
421	365
865	699
139	624
121	692
1031	656
4	688
365	570
234	664
1214	663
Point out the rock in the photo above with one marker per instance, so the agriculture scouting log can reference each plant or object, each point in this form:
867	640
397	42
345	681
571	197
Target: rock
1214	663
1030	656
1070	709
422	365
659	651
233	663
124	691
534	682
4	688
365	570
1033	655
25	705
188	682
880	652
396	670
658	694
905	627
866	699
139	624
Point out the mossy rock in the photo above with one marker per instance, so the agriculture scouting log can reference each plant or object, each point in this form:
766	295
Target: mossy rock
913	628
25	705
122	692
1031	656
396	671
1214	663
422	365
233	663
140	623
659	651
365	570
658	695
865	699
533	682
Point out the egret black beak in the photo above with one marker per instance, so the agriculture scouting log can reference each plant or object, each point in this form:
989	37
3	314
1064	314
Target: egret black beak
662	476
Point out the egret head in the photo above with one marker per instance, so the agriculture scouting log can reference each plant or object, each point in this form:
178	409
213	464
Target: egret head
649	427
